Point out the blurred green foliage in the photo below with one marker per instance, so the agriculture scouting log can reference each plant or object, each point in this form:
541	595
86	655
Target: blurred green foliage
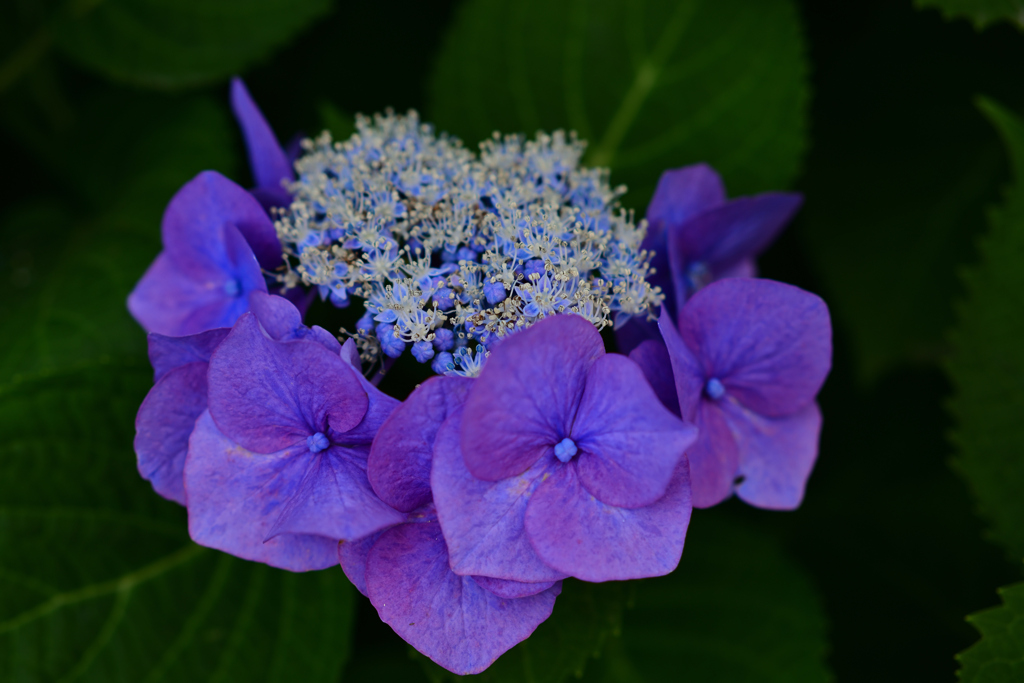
999	656
869	580
981	12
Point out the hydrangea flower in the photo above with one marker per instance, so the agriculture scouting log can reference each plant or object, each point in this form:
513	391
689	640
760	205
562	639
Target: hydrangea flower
562	462
461	622
698	236
748	357
276	466
449	251
178	397
270	165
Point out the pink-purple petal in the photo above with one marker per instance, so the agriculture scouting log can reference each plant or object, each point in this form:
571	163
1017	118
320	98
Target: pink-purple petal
235	496
714	458
399	463
483	520
577	534
334	499
769	343
527	396
629	442
270	395
447	617
353	555
163	424
511	590
776	455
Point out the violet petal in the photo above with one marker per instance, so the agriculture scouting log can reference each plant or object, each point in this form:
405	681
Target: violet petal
399	462
267	158
769	343
776	455
167	353
447	617
511	590
629	442
687	371
335	499
353	554
581	536
278	316
269	395
683	193
163	425
482	520
235	496
653	359
714	458
526	396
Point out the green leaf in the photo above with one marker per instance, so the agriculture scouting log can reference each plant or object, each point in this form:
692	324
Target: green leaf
737	609
896	200
651	85
98	578
585	616
981	12
77	272
999	656
177	43
987	363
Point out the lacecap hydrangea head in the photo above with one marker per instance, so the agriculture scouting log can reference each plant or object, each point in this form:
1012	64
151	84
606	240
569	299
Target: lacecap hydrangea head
449	251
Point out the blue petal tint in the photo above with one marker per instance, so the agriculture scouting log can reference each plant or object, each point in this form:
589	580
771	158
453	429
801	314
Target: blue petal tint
565	449
422	351
714	389
317	442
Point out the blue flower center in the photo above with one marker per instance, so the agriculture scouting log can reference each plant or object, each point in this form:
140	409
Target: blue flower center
714	389
232	287
317	442
565	449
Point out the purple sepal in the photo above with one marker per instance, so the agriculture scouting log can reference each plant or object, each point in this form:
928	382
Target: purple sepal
167	353
352	556
269	395
207	271
163	424
234	496
527	394
267	159
681	194
483	520
654	361
768	348
573	532
399	463
511	590
447	617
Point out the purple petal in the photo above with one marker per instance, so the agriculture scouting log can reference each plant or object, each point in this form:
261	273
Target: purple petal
277	315
769	343
271	198
167	353
511	590
267	159
714	458
335	500
636	331
526	396
687	372
482	520
170	302
350	354
353	554
399	462
682	193
163	425
629	442
723	236
270	395
581	536
195	215
235	496
745	268
654	361
447	617
775	455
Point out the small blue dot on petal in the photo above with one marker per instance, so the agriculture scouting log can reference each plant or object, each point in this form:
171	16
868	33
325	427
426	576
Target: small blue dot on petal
565	449
714	389
232	287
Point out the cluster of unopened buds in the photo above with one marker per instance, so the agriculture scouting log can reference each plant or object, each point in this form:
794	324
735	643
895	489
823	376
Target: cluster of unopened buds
533	455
